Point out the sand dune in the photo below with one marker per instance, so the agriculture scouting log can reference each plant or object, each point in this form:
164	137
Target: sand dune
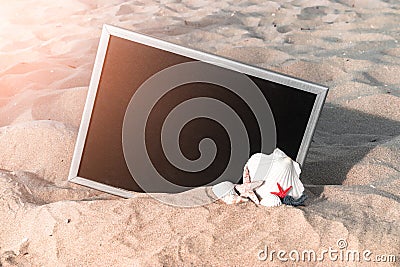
352	171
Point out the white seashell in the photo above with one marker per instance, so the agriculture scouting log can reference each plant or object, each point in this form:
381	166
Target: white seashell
225	191
275	168
224	188
271	201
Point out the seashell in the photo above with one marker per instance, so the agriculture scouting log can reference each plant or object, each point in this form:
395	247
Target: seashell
225	191
224	188
271	200
275	168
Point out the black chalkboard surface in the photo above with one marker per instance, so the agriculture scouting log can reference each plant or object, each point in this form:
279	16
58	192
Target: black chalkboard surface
159	111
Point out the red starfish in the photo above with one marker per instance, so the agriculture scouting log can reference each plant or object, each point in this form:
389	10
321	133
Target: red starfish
282	193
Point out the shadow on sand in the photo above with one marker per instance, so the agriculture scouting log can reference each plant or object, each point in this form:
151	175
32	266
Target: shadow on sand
343	138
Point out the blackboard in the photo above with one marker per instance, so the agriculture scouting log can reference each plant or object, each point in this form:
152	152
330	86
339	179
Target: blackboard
143	88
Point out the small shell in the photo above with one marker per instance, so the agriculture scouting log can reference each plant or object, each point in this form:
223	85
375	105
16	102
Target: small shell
271	200
224	188
225	191
275	168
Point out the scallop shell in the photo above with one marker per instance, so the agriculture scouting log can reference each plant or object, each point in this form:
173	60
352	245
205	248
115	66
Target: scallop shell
275	168
271	200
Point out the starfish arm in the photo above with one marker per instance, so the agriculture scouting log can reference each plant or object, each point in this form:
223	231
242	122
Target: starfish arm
246	191
256	184
241	188
287	190
282	193
275	193
246	175
253	197
279	187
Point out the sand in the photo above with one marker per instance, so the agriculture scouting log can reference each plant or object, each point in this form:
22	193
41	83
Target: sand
352	171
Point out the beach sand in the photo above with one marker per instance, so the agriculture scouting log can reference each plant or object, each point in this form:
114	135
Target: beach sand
352	171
